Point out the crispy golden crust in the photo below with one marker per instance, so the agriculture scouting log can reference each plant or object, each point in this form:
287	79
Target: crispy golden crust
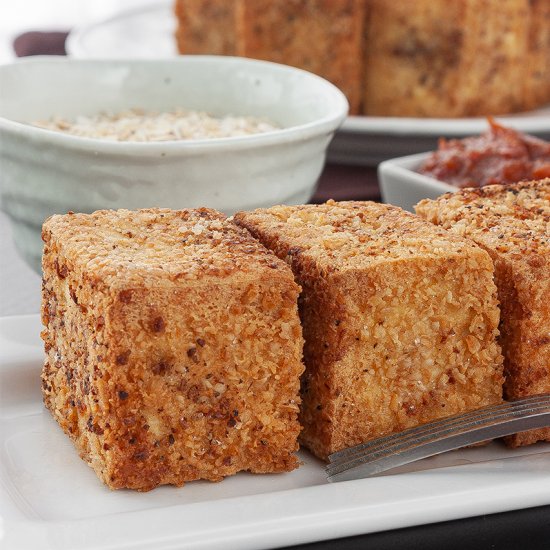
449	59
537	84
206	27
321	36
173	346
399	317
412	58
513	224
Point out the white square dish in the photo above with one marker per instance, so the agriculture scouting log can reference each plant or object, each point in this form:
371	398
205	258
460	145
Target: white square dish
402	185
50	499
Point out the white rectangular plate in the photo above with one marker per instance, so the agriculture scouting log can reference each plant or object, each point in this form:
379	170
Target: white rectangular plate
50	499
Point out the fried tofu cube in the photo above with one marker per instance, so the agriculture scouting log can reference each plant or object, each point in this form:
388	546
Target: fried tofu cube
446	59
512	223
399	317
173	346
322	36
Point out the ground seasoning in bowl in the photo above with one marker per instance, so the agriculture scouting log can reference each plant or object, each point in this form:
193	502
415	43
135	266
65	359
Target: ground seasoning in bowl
500	155
176	125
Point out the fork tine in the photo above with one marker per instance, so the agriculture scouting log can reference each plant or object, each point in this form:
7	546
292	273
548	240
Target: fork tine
430	429
395	449
441	423
472	420
454	422
402	446
368	466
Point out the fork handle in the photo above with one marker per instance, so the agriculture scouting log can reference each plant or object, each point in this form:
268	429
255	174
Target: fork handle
367	467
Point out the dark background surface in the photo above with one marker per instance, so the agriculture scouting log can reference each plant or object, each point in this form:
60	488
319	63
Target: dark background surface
527	529
523	529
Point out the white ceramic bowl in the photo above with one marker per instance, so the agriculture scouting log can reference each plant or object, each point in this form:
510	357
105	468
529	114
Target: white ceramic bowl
402	185
46	172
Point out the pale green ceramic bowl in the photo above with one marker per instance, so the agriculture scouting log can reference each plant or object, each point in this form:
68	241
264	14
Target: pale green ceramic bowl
45	172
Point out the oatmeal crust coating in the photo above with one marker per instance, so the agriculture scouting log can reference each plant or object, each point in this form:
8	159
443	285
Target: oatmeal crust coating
399	317
173	346
325	37
512	223
206	26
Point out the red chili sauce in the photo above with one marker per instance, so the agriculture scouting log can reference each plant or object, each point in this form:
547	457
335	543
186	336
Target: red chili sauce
500	155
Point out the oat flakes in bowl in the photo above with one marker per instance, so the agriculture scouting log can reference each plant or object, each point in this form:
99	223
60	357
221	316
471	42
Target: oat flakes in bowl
176	125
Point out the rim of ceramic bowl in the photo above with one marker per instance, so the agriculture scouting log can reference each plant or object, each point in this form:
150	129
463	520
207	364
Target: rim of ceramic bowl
337	106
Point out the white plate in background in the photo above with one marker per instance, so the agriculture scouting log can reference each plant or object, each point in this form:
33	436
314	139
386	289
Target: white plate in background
50	499
148	32
367	141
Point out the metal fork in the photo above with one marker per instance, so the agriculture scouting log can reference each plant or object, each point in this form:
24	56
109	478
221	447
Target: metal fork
447	434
